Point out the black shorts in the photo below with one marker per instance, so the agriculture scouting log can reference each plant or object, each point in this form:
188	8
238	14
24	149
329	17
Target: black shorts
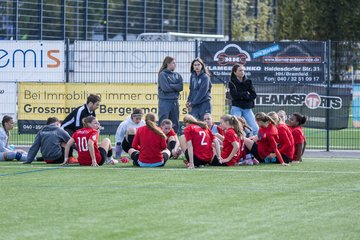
215	162
103	155
197	161
125	145
286	158
55	161
255	153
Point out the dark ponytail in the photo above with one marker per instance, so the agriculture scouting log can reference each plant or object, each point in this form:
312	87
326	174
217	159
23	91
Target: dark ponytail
244	123
301	119
6	119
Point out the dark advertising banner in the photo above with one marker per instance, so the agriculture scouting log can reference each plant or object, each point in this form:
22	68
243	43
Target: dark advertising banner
267	62
312	101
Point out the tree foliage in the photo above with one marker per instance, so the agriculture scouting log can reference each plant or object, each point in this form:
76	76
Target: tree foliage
337	20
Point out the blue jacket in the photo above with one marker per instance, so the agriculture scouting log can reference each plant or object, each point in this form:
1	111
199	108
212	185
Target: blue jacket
200	89
170	84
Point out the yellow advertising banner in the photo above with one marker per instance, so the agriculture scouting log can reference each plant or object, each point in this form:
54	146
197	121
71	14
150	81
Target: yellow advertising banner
38	101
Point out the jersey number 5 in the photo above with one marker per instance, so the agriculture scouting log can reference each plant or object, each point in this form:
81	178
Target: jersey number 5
82	144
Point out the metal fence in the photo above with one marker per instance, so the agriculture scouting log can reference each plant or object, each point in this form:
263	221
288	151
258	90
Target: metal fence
137	63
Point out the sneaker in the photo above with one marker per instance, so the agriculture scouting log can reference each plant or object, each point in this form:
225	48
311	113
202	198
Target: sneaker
72	160
255	161
124	160
111	161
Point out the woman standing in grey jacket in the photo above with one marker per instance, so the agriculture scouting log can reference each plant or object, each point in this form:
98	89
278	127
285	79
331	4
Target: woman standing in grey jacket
170	84
199	100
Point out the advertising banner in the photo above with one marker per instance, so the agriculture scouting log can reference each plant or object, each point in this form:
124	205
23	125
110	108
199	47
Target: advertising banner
8	99
356	105
38	101
267	62
32	61
312	101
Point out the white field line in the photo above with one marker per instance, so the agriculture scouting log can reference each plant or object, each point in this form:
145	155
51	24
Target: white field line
208	169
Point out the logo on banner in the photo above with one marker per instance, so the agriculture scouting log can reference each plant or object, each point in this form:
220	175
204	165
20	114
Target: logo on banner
311	100
236	55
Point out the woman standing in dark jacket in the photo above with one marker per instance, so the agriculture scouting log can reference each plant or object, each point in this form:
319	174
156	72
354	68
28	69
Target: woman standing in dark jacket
199	100
243	96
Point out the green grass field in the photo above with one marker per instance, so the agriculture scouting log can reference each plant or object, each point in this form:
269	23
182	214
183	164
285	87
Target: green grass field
317	199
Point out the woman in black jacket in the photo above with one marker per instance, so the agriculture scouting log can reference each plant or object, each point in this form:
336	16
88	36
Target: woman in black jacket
243	96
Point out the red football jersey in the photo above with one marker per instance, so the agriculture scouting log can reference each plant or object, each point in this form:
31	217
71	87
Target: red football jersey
149	144
299	137
267	143
81	137
230	137
286	140
171	133
201	140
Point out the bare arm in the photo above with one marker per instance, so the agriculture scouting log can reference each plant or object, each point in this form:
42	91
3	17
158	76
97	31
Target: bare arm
191	153
67	149
235	149
92	153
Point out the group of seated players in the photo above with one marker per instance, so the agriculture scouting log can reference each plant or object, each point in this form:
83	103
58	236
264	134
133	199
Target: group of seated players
230	143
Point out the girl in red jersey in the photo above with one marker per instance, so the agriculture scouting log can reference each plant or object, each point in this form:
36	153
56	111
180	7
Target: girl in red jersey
233	142
149	145
172	139
266	140
295	123
197	143
215	129
86	140
285	140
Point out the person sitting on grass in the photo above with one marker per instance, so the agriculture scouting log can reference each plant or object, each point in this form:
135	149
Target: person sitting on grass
149	146
215	129
233	142
51	140
125	133
7	152
262	146
198	143
285	139
86	139
295	123
172	139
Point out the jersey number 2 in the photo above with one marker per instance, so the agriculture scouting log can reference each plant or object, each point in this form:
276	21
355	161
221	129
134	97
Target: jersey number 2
82	144
203	135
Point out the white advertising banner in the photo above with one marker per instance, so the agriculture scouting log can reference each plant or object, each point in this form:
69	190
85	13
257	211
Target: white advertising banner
128	62
32	61
8	101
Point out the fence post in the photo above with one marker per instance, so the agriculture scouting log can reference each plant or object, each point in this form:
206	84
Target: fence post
67	53
196	48
328	94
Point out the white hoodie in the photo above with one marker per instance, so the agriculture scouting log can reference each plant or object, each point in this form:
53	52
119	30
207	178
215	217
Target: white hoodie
124	126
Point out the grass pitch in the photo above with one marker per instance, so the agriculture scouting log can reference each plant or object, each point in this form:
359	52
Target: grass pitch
317	199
